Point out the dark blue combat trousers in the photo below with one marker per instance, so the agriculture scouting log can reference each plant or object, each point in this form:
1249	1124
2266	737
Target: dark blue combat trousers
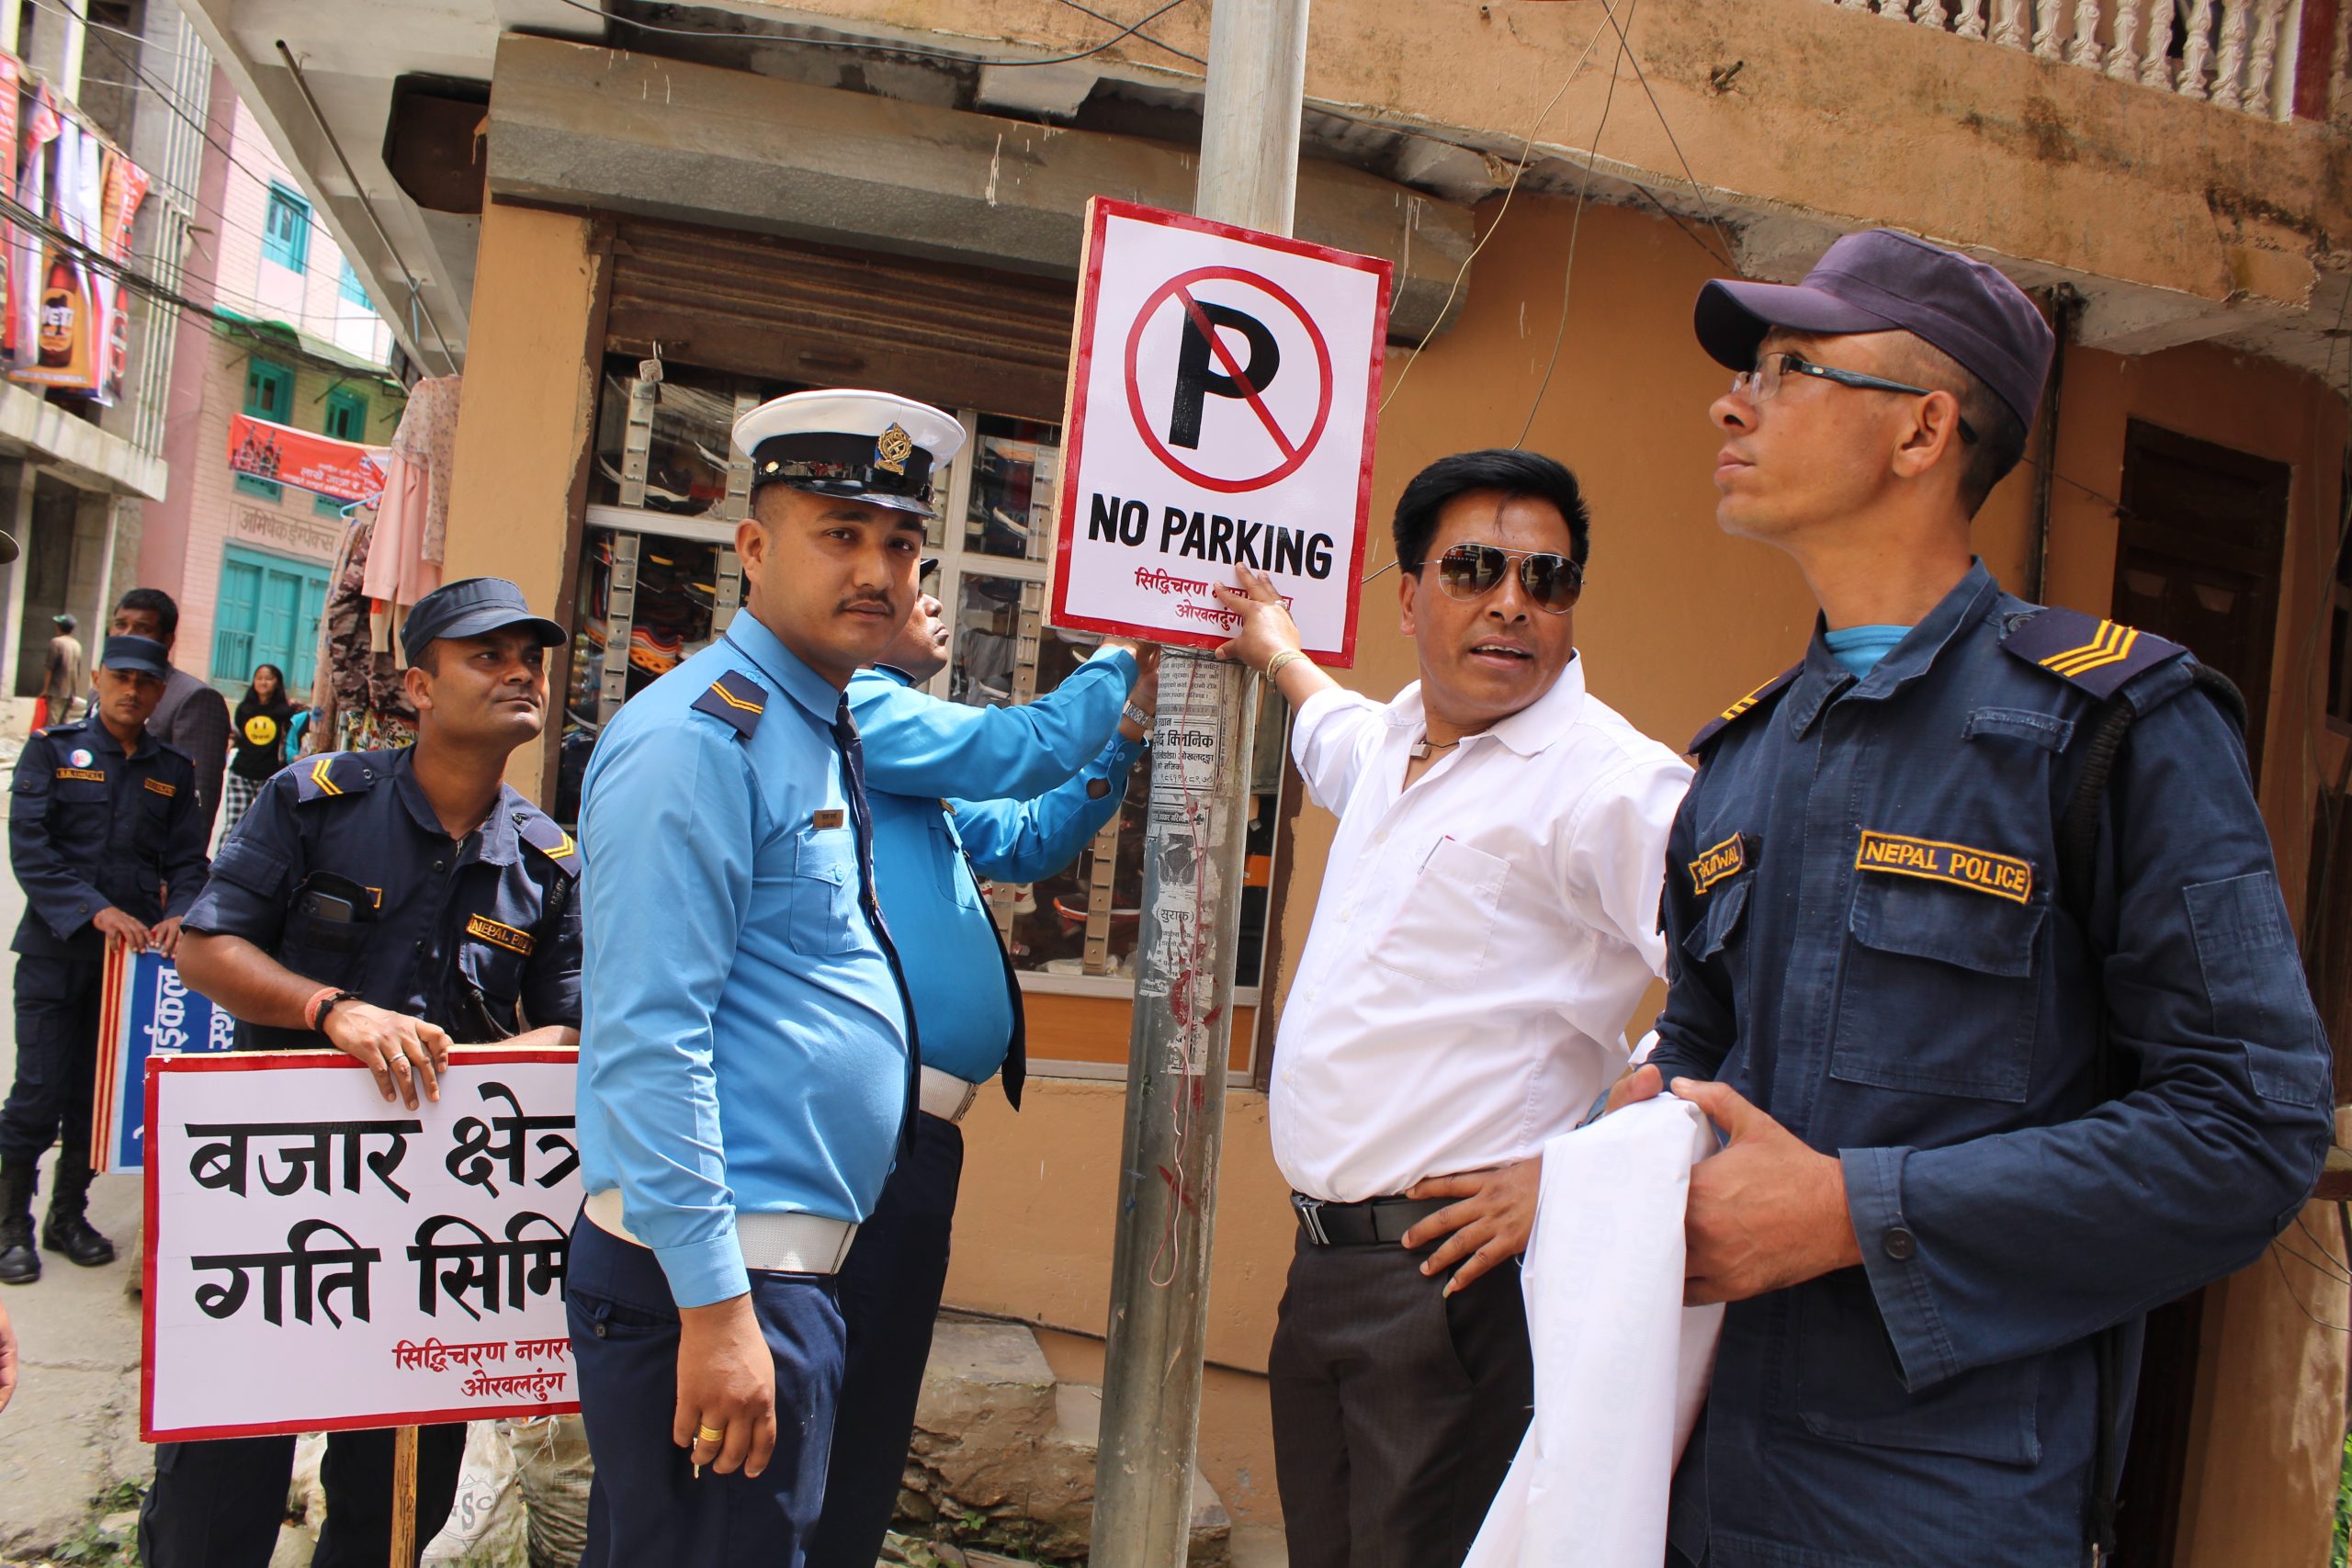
645	1506
218	1505
57	1057
890	1295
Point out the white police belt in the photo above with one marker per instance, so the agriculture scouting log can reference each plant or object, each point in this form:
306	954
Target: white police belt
774	1244
946	1096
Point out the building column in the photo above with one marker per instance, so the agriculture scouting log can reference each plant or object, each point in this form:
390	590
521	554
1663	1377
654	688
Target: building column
55	50
16	516
534	355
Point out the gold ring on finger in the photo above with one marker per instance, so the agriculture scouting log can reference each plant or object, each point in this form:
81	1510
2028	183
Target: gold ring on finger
709	1434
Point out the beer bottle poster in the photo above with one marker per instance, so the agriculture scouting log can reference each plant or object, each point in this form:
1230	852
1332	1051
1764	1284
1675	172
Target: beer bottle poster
12	79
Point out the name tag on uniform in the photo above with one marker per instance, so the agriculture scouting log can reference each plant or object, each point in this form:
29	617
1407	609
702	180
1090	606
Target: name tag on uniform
499	935
832	818
1726	859
94	775
166	790
2003	876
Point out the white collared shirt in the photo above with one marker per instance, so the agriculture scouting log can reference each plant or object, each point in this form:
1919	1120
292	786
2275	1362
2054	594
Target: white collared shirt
1479	941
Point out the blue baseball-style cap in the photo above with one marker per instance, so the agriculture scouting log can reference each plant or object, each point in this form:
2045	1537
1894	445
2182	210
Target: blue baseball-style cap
143	654
1881	281
471	607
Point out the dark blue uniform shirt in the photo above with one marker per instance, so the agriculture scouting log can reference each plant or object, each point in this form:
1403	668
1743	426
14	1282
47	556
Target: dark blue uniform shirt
480	936
90	827
1867	940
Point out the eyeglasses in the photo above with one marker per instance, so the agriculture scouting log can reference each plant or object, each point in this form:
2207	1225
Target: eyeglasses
1470	572
1760	385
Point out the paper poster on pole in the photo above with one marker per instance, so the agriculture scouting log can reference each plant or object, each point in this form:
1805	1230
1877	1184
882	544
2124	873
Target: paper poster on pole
1223	398
143	1009
318	1260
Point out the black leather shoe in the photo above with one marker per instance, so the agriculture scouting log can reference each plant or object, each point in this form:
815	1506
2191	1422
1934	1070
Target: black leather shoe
19	1264
72	1235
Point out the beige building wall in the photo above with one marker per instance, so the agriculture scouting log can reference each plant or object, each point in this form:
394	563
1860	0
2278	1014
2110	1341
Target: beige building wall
1678	621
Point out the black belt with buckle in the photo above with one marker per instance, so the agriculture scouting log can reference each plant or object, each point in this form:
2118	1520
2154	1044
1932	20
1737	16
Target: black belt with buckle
1374	1221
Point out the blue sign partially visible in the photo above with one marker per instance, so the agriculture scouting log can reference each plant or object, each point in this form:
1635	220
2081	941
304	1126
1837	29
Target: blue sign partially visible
154	1013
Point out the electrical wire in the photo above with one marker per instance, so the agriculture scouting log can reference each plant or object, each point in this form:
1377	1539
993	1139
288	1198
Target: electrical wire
907	51
1576	227
1139	33
1671	140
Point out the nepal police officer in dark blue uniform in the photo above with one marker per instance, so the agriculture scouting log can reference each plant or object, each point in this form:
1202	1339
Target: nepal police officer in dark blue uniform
387	904
108	846
1979	962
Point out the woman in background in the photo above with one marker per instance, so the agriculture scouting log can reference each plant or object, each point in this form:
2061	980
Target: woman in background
257	740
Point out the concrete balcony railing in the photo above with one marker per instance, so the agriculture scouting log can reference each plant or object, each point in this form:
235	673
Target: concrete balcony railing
2237	54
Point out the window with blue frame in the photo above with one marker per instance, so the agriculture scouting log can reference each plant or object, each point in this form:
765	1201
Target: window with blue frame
270	394
347	421
267	613
353	290
285	232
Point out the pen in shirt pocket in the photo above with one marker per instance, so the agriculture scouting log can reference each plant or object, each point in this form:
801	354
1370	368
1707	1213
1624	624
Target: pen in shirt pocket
1431	854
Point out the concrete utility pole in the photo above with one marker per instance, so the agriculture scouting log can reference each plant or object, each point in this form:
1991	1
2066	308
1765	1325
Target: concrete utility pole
1193	853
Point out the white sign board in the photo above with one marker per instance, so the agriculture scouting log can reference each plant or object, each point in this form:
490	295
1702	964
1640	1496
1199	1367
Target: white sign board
320	1259
1225	390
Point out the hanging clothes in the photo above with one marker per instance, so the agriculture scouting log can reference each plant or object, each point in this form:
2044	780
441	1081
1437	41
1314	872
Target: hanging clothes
1621	1365
365	707
412	519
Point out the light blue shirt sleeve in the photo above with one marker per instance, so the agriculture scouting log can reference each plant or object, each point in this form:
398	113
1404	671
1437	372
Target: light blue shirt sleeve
667	826
1028	840
919	745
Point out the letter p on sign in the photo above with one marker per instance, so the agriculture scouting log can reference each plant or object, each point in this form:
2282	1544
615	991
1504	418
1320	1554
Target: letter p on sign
1225	384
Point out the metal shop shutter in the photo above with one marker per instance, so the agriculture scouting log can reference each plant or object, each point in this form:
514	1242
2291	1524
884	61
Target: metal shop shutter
791	310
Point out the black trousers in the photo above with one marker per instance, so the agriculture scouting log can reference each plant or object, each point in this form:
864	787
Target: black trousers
645	1506
57	1057
1397	1408
218	1505
889	1295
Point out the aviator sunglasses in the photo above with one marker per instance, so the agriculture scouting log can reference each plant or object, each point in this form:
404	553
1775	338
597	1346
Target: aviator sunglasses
1470	571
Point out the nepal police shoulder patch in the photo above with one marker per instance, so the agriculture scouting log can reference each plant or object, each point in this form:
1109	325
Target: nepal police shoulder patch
544	834
1746	705
331	774
2096	654
737	700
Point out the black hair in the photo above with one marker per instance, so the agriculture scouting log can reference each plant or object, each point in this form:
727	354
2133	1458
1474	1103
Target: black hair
1511	472
2000	434
167	614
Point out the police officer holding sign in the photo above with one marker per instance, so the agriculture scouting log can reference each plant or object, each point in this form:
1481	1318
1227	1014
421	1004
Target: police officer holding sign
1981	965
748	1060
108	846
386	904
1062	763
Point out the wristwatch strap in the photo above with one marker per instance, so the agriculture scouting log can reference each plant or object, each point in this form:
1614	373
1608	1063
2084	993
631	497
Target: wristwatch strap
327	1004
1136	717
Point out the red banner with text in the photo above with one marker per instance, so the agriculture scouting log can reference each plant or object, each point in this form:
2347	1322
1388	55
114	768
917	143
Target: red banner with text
305	460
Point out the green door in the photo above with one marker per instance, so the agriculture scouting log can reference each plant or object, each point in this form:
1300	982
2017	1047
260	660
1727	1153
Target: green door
268	614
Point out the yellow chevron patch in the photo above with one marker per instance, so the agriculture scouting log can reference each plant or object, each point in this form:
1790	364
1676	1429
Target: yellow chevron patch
732	701
2111	645
319	776
1747	702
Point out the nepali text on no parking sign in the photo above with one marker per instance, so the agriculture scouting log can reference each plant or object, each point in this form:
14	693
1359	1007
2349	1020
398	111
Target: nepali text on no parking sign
1225	389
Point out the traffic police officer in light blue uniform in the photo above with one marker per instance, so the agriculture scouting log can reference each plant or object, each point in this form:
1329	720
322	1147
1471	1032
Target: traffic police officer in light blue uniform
109	847
1980	965
1061	765
748	1059
386	903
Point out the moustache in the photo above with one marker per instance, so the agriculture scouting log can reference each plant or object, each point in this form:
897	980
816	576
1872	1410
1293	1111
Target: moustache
854	600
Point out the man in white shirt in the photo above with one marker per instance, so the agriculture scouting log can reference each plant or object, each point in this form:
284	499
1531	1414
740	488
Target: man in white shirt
1487	922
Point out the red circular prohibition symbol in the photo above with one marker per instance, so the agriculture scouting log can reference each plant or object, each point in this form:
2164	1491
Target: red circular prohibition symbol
1182	283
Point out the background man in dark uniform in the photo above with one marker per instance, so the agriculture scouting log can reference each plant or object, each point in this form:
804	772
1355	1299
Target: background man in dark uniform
191	716
1062	762
385	903
1993	1085
106	843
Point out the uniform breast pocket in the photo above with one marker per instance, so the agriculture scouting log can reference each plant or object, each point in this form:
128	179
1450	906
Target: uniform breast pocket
1937	995
1441	930
822	915
82	807
327	928
948	868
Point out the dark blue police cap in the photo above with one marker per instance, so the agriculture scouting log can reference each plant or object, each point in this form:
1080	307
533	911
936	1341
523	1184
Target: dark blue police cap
469	607
143	654
1882	281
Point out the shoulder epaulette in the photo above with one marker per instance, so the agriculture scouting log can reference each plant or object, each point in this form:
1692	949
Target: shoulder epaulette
736	698
1746	705
2096	654
332	774
544	834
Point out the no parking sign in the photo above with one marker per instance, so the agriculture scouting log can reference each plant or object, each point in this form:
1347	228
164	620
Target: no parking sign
1223	395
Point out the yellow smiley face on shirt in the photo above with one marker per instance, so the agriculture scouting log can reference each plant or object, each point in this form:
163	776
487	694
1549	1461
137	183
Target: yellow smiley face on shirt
261	729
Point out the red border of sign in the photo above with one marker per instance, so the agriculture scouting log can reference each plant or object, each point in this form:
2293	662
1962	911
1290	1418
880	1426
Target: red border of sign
250	1061
118	961
1099	210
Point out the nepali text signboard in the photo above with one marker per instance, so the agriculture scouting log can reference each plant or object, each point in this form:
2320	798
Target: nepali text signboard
1223	394
341	470
143	1009
318	1259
